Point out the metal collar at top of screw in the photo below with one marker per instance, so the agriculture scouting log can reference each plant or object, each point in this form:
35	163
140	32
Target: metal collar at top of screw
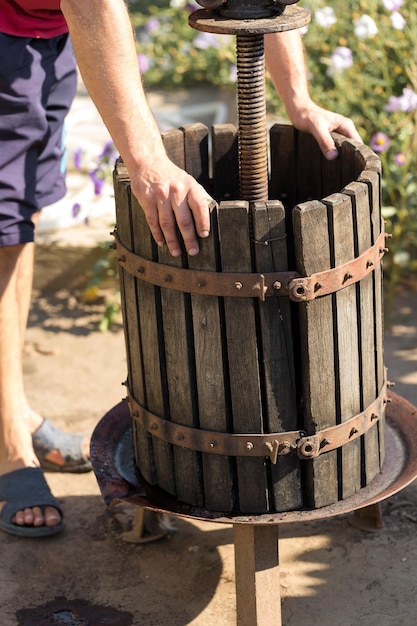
246	17
247	9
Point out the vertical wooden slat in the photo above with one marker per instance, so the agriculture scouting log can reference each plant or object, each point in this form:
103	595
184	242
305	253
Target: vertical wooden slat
196	152
331	175
309	162
365	293
153	349
218	471
346	339
218	474
179	355
373	178
283	173
351	159
275	331
225	162
317	350
242	354
283	179
131	323
373	181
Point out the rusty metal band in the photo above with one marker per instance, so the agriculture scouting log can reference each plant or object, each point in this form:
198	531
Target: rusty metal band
201	281
330	281
247	285
271	445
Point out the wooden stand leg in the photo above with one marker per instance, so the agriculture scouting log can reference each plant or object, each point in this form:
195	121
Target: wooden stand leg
258	600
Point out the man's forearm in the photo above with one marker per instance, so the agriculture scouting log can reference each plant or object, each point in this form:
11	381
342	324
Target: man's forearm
106	55
284	55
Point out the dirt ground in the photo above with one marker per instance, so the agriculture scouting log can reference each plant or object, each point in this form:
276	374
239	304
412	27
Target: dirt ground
331	573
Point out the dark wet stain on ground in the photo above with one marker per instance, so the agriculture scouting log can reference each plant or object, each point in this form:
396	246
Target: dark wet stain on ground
62	612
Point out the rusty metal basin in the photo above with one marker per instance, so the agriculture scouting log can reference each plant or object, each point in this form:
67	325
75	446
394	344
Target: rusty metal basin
119	480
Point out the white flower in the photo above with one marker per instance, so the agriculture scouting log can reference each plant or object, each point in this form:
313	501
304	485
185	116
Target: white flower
340	60
365	27
392	5
397	20
176	4
325	17
407	102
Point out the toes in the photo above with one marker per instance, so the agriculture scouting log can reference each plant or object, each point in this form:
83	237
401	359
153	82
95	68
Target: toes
52	516
37	516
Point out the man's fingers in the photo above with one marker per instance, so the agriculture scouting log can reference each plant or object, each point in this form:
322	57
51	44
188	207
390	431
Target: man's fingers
176	207
189	214
201	205
348	129
321	123
167	223
327	145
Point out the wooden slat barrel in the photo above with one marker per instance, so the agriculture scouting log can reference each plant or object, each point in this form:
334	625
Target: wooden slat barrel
255	376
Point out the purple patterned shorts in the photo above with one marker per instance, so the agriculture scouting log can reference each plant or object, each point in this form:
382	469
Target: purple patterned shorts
37	85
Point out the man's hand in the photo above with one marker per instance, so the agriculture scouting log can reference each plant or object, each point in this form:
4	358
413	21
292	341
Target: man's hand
169	198
284	55
320	123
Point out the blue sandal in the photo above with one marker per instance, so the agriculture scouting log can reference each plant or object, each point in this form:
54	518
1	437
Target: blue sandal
47	438
22	489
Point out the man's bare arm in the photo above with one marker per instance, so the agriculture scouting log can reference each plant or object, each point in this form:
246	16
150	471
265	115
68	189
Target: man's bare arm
104	45
284	53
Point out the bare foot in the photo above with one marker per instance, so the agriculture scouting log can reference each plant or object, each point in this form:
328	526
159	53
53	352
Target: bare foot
35	516
19	456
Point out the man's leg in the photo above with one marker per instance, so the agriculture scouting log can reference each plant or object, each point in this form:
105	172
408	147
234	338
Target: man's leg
37	84
16	450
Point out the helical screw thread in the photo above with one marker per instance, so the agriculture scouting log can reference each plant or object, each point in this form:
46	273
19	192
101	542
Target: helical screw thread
253	155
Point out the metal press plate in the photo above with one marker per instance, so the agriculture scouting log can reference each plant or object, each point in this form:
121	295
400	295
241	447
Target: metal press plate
119	480
212	22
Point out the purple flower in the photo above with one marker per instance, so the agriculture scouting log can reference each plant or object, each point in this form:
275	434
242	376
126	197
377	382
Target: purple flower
340	60
400	158
397	20
233	73
392	5
78	153
98	181
407	102
380	142
76	208
144	63
206	40
108	151
152	24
